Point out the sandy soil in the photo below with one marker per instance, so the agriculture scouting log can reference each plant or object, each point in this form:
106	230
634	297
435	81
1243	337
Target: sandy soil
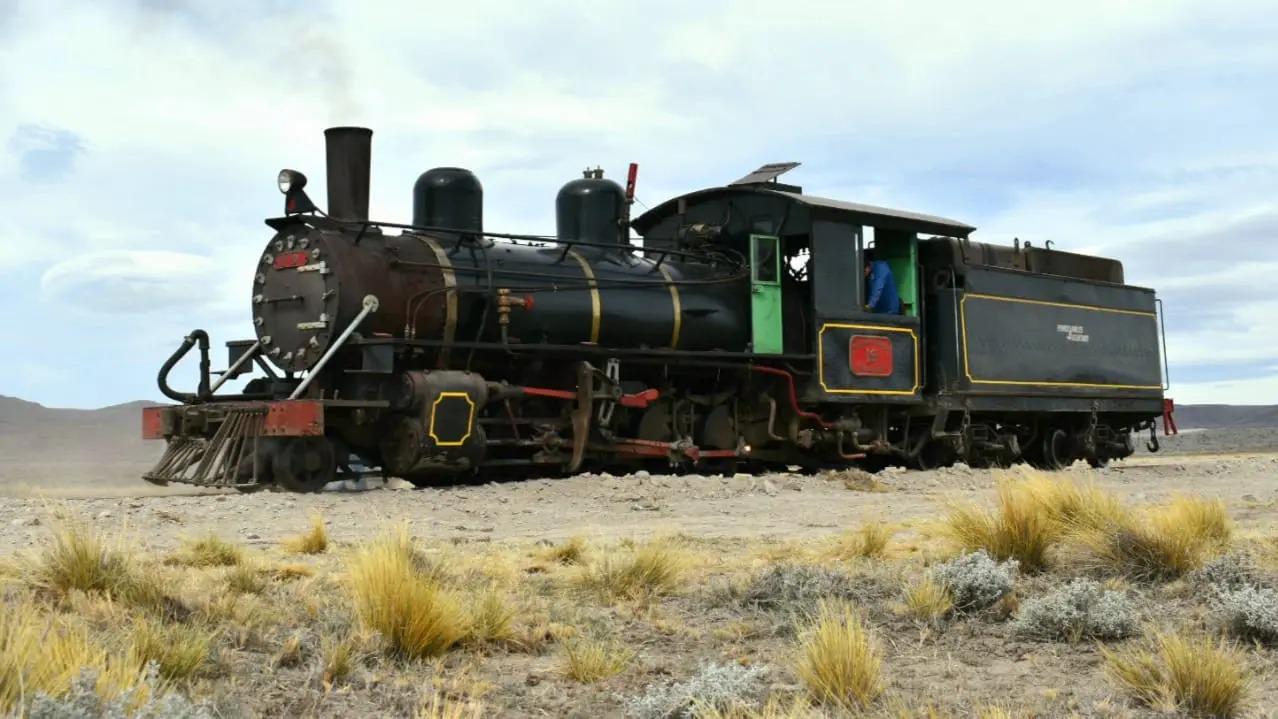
730	523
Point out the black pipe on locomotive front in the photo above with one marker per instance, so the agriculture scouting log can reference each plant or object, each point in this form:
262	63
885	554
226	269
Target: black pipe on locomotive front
349	158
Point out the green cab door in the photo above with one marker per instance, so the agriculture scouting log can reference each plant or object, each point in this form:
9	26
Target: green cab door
765	294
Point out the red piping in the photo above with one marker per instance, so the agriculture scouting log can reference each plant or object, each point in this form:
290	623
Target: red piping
794	395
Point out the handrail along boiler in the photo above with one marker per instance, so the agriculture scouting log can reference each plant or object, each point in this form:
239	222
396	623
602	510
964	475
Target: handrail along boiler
733	336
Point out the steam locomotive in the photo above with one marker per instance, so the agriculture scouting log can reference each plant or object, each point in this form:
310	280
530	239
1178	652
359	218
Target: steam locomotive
732	336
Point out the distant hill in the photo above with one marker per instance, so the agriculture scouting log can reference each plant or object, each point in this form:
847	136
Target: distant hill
48	447
1226	416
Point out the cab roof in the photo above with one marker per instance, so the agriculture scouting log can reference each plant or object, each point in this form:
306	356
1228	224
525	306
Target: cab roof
851	212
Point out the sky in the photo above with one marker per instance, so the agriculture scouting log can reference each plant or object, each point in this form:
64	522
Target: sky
140	140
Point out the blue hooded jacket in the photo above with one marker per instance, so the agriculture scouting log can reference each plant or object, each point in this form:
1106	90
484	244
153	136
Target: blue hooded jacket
881	293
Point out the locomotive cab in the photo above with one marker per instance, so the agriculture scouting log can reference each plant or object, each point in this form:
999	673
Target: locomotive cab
808	289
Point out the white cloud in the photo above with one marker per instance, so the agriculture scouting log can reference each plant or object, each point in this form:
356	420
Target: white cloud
130	281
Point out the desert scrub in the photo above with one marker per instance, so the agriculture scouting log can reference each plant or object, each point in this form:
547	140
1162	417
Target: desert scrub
1248	612
1071	504
1158	543
927	600
975	581
715	687
868	542
796	587
207	551
652	569
1228	571
588	660
415	616
1082	609
245	578
837	660
1194	675
148	699
312	541
1018	527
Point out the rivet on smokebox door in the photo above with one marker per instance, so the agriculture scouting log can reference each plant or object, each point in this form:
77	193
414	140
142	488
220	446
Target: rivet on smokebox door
266	340
258	321
304	242
315	253
279	245
260	279
257	299
267	259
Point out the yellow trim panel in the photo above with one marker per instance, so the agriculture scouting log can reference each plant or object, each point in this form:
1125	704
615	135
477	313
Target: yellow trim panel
675	305
450	293
596	305
967	369
470	419
879	328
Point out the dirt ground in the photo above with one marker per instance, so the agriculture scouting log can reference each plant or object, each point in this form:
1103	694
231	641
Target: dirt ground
730	527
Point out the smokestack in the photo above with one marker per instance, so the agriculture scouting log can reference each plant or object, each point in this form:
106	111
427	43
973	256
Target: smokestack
349	161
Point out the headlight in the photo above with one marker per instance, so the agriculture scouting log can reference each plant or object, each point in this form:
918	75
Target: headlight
291	180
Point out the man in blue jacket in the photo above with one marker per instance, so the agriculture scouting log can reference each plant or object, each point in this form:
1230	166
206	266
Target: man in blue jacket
880	287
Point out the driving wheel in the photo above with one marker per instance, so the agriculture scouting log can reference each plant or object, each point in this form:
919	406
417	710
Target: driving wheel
305	464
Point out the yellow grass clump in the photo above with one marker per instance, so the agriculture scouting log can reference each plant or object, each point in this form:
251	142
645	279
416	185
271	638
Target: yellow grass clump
338	656
179	651
208	551
40	653
569	551
1194	675
77	558
868	542
837	660
491	617
312	541
1158	543
776	707
1073	505
590	660
1017	527
393	596
245	579
653	569
927	600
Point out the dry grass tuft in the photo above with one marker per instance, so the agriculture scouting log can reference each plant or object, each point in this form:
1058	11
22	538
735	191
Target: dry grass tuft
208	551
569	551
491	617
414	614
40	653
245	579
1073	504
653	569
179	651
1194	675
927	600
77	558
837	659
1158	543
338	657
312	541
290	572
868	542
776	707
590	660
440	705
1016	528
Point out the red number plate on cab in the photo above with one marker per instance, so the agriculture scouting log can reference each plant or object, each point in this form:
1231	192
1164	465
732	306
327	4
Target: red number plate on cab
870	356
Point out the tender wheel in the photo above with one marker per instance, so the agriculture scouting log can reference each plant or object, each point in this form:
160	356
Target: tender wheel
1098	462
934	455
1058	451
305	464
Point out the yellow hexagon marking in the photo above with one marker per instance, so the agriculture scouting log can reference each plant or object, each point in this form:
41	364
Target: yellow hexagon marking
470	419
